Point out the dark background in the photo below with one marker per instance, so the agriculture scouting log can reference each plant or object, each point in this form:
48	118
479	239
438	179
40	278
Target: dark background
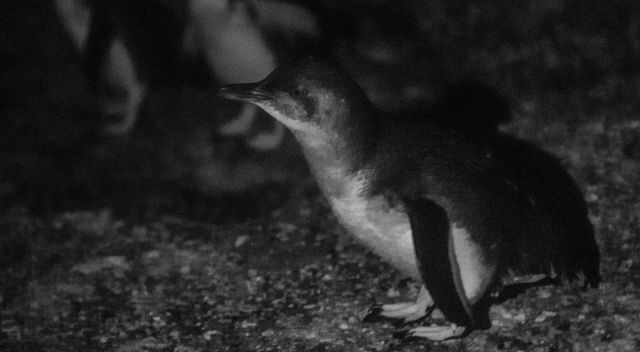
133	243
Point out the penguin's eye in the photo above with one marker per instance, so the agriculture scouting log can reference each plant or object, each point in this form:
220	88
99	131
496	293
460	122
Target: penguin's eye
298	93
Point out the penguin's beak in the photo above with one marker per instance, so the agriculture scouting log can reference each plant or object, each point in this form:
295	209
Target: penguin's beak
249	92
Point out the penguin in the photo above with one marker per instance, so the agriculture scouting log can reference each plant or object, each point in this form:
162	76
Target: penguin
128	48
478	111
113	52
439	204
242	41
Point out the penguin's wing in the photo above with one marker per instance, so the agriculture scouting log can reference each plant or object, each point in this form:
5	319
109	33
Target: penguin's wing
433	243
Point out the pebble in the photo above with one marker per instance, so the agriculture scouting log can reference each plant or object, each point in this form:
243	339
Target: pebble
392	293
544	315
241	240
209	334
248	324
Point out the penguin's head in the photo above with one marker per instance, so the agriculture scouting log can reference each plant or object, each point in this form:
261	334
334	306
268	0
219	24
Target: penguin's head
311	96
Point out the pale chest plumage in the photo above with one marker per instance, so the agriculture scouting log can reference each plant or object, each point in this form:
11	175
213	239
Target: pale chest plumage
383	226
380	225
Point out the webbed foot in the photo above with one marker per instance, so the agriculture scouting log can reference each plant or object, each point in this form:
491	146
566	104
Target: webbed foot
405	312
433	332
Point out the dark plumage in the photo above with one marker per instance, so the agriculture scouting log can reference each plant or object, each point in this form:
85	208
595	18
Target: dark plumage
477	111
458	208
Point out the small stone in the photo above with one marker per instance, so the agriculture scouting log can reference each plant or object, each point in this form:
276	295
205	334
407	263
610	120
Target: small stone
544	315
544	293
158	322
520	317
248	324
592	197
153	254
621	319
241	240
208	335
393	292
625	266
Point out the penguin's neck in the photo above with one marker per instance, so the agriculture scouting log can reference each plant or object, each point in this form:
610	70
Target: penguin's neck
336	155
343	166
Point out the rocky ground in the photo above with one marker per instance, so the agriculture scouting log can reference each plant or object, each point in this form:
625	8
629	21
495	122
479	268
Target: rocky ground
161	268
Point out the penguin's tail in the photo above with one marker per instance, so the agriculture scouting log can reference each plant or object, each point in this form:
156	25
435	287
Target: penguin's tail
583	258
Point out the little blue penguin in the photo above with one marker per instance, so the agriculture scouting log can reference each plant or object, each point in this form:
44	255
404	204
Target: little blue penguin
437	203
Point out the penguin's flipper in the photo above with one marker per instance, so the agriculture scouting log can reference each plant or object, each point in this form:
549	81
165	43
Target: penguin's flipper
438	265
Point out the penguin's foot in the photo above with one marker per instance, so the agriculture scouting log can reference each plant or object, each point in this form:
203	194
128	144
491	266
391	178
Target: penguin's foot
268	140
433	332
405	312
240	124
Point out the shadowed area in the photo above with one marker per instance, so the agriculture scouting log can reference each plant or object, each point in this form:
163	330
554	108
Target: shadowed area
175	238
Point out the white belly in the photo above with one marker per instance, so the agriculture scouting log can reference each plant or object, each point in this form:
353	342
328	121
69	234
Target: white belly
387	232
383	229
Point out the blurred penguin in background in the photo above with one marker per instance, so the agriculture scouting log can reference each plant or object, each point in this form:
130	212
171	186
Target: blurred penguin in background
120	89
127	47
231	36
